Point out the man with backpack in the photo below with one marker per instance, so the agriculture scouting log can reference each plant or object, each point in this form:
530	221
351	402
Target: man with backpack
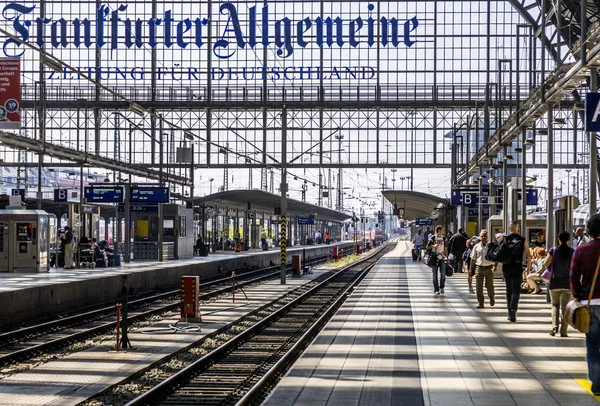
512	267
457	247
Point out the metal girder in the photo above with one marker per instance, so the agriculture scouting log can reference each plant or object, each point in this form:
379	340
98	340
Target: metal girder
59	152
562	81
295	104
523	7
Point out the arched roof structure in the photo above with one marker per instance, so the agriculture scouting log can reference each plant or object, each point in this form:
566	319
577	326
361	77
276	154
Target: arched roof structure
416	204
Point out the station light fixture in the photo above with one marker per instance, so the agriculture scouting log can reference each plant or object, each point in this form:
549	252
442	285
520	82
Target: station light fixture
52	63
518	150
542	131
137	109
188	135
508	157
559	121
529	142
491	180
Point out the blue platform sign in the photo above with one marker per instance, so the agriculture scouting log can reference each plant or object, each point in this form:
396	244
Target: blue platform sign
302	221
139	208
592	112
60	195
18	192
149	194
424	222
103	194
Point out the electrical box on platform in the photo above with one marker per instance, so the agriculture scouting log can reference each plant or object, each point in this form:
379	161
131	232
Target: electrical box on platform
190	299
296	266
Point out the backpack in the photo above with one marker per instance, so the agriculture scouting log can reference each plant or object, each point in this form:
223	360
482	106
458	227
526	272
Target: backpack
499	252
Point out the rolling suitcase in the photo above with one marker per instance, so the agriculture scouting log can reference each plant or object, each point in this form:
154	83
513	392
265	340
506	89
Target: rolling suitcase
415	255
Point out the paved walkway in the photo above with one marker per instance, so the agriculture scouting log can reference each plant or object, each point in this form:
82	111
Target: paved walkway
390	345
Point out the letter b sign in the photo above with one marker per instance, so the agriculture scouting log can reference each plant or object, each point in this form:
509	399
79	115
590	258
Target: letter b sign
592	112
60	195
467	199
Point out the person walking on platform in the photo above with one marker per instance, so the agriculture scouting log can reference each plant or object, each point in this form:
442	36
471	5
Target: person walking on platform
581	237
457	247
558	261
513	270
68	241
583	267
484	270
437	243
418	244
263	239
467	261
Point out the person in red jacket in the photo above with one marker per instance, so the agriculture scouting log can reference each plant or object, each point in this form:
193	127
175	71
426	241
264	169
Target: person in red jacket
583	267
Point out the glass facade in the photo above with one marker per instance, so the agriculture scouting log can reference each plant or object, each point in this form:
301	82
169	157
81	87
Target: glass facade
364	85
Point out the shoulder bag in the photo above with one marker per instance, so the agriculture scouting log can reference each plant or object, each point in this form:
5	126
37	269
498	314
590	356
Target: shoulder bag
430	259
577	315
547	274
498	252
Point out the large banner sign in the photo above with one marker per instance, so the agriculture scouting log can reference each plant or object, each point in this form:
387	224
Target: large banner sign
224	32
10	93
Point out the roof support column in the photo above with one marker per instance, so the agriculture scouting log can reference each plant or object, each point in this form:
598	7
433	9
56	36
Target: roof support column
283	191
593	152
550	203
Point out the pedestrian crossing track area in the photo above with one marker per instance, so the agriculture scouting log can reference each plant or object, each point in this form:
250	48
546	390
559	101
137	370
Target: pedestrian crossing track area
395	342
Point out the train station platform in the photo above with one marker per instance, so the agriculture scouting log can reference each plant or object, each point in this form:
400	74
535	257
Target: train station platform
394	343
34	296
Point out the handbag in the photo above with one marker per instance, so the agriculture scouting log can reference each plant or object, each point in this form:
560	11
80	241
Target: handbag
498	252
430	259
547	275
449	270
577	315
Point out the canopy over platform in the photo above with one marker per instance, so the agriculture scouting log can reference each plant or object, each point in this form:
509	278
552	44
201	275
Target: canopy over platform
264	201
417	204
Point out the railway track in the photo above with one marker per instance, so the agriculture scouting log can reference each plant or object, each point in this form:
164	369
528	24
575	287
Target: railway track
243	369
32	341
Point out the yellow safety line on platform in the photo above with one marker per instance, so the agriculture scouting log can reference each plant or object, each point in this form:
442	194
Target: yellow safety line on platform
587	385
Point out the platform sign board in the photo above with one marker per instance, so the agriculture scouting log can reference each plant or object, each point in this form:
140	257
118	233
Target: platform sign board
149	194
592	112
424	222
18	192
139	208
104	194
61	195
10	93
303	221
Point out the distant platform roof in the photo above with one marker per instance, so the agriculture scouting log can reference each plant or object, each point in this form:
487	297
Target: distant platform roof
416	204
264	201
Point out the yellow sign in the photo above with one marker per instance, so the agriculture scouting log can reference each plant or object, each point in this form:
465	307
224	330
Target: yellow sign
141	228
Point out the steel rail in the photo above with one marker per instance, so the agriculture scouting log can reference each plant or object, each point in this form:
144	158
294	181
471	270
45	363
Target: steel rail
257	391
165	387
79	319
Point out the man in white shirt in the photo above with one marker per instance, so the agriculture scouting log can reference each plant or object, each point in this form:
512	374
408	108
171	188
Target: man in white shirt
484	269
